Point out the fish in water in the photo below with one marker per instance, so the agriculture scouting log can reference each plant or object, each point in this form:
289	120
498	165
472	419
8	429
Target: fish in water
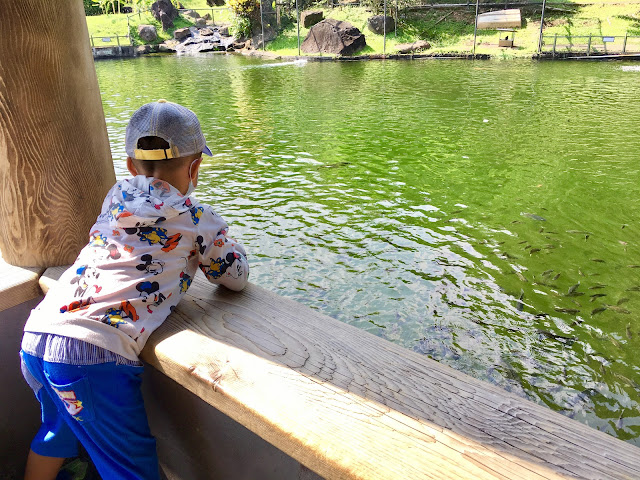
634	289
555	336
597	286
572	311
557	276
629	334
519	303
598	310
622	300
598	260
533	216
547	272
618	309
573	288
597	295
534	250
633	266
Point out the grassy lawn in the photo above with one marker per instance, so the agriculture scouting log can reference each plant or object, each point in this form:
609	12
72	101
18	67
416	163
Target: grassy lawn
452	32
447	31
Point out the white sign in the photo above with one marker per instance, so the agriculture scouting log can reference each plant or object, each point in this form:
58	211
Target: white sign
608	39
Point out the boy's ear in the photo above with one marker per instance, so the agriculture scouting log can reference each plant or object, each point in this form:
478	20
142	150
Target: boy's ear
131	167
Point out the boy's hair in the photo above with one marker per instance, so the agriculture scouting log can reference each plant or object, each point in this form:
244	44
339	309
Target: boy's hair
158	167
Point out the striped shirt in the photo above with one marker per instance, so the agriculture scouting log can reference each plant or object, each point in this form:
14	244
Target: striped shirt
71	351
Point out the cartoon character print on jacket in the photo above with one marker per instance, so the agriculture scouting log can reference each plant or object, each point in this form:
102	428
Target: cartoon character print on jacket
98	240
156	235
115	316
150	295
85	278
77	305
150	265
219	266
196	212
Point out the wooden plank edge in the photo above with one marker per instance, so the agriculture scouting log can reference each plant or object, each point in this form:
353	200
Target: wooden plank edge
18	284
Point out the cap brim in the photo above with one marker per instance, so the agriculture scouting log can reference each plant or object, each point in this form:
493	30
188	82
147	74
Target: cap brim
206	151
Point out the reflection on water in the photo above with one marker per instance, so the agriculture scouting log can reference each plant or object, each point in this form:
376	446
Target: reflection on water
483	214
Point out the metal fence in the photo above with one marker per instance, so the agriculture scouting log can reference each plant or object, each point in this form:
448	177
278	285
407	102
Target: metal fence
110	40
590	44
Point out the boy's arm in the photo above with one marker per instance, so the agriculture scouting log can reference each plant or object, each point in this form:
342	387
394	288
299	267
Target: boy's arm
222	259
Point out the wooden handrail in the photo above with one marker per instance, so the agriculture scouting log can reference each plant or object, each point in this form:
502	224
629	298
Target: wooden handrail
348	404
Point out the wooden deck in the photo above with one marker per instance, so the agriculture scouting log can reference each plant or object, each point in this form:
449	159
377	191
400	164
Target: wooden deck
348	404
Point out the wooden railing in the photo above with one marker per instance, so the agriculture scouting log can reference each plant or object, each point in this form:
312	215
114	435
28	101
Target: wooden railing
350	405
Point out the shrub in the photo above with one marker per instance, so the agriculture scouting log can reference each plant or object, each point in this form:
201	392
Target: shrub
246	16
90	8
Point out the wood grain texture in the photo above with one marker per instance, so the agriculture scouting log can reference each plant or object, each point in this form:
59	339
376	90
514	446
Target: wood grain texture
17	284
55	161
348	404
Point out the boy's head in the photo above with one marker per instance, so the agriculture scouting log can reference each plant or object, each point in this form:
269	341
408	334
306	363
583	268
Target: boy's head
164	140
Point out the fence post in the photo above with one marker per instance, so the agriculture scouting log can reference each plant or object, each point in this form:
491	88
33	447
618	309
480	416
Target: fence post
555	40
589	46
544	4
624	45
118	40
92	44
298	25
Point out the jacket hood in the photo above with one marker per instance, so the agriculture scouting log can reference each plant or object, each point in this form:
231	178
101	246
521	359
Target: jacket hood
144	201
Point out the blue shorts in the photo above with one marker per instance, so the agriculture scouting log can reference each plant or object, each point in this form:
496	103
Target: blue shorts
100	405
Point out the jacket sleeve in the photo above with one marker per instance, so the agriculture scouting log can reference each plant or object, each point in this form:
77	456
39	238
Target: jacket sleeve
222	259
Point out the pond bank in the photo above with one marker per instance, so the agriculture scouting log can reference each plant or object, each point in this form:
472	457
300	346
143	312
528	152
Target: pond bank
131	51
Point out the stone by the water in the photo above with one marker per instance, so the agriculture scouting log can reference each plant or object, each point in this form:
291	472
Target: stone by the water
181	33
164	12
147	33
413	47
310	17
377	24
333	36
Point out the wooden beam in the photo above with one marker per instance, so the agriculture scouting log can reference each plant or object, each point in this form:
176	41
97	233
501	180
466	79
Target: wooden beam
350	405
55	161
17	284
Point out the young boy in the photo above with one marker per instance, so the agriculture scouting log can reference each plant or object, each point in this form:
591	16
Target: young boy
81	343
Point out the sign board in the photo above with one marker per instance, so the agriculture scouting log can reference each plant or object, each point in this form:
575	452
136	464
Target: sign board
608	39
106	39
500	19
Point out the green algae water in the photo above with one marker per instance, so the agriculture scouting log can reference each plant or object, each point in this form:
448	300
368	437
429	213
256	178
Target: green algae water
485	214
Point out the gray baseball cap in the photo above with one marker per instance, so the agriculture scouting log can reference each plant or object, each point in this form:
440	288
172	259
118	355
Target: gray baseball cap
174	123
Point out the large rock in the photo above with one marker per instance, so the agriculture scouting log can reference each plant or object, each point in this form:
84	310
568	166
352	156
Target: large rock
310	17
215	3
413	47
164	12
147	33
182	33
333	36
377	24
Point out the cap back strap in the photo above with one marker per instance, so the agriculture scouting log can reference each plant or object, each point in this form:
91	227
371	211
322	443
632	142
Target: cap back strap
160	154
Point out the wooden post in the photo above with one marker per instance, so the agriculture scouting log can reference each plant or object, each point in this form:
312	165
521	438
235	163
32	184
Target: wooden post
589	46
624	45
555	41
55	161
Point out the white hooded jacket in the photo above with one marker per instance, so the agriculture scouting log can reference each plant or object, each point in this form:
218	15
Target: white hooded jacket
143	253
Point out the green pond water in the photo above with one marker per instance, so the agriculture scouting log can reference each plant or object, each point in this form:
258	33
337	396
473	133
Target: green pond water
485	214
